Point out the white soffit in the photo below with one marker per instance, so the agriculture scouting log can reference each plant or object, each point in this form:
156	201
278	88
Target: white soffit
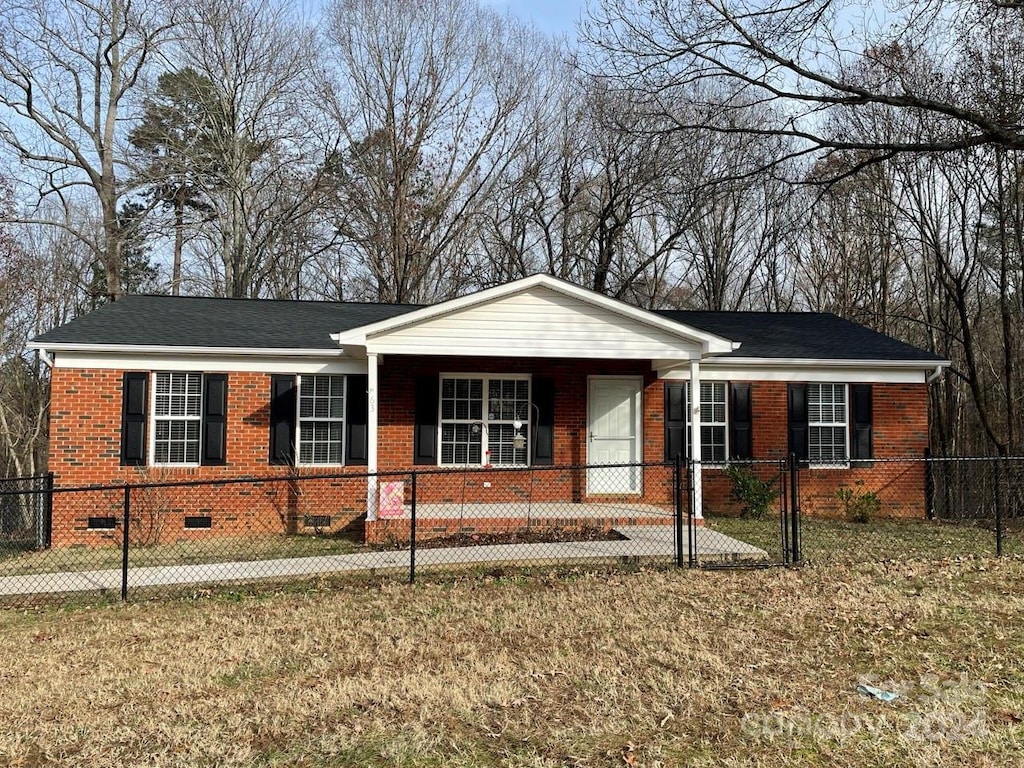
847	371
208	362
537	316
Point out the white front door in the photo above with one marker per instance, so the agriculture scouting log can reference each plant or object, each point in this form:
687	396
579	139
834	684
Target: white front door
613	429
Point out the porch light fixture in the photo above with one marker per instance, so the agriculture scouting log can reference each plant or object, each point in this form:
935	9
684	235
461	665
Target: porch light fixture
518	439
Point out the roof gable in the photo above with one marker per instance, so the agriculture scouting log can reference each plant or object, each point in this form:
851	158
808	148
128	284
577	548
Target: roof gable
538	316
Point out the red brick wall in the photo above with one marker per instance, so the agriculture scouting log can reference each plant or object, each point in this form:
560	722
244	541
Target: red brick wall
85	439
85	424
900	431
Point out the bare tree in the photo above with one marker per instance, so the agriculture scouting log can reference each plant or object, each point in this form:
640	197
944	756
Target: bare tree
430	100
43	273
739	222
586	202
67	74
253	152
795	55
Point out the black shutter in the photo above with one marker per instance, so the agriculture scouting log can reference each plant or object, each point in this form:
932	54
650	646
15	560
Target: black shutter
798	421
215	418
544	429
675	421
860	415
282	419
133	419
425	429
740	422
356	412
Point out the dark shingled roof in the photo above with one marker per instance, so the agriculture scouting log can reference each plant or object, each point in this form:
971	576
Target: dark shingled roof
186	321
799	335
169	321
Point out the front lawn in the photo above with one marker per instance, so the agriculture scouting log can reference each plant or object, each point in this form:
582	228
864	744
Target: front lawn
835	541
678	667
17	562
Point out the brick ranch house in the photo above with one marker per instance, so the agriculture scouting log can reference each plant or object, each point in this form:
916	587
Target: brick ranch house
536	373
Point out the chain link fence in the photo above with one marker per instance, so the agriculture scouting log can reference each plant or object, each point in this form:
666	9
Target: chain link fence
187	537
24	514
924	508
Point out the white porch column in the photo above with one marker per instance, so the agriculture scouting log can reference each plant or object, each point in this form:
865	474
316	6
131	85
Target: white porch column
371	434
698	488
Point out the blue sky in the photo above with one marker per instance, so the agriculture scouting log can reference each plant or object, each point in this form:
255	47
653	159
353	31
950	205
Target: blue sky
553	16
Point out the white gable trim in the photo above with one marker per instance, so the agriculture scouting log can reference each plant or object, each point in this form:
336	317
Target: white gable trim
366	336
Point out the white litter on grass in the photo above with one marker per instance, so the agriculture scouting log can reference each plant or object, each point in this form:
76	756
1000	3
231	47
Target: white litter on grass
877	693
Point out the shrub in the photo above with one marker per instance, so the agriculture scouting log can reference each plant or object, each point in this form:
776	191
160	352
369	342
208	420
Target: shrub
150	509
859	505
756	495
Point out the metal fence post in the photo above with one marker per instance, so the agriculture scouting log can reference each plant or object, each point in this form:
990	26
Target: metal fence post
44	523
38	501
127	516
929	486
412	532
691	528
794	508
947	485
784	511
677	496
999	505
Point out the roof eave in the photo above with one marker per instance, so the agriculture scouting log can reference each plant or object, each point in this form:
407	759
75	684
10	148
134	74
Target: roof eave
754	362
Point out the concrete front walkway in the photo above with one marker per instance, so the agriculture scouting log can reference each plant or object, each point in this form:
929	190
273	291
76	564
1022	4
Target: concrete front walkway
640	541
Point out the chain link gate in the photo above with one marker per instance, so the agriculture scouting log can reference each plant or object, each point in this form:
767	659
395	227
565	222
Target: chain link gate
763	531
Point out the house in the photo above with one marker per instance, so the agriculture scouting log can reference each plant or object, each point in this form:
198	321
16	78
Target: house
536	373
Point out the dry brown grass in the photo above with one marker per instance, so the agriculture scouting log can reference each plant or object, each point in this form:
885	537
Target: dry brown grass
217	550
639	669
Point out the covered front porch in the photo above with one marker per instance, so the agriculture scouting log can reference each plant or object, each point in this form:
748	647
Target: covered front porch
526	377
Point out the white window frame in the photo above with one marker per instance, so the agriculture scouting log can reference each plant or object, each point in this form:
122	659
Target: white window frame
705	452
822	424
154	418
300	419
485	421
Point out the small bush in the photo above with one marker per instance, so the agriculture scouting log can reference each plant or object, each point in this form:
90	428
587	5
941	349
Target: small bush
859	506
756	495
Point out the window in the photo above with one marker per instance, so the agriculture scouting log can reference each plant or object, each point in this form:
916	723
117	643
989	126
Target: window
177	417
479	411
321	422
713	424
826	423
